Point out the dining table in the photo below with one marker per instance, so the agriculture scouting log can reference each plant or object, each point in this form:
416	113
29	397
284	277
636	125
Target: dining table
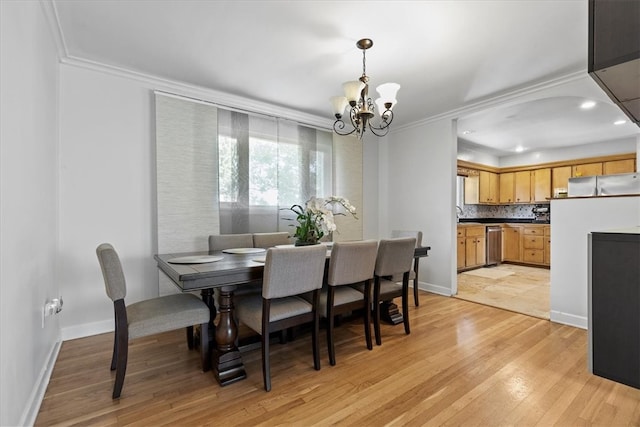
223	271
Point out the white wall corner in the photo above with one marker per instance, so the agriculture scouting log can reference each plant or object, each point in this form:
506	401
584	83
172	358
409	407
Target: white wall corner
568	319
434	289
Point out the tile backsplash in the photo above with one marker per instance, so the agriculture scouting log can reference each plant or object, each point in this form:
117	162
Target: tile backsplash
499	211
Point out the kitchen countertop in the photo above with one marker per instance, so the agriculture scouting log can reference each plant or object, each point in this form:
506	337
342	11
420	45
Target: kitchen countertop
492	221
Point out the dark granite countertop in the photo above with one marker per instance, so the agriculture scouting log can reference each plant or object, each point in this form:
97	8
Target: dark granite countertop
502	220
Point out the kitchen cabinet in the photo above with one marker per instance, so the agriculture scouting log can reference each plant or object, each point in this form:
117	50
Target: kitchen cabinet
489	188
541	190
471	250
618	166
507	187
533	244
588	169
511	243
523	187
560	177
547	245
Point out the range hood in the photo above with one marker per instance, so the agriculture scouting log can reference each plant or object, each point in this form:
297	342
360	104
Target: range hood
614	52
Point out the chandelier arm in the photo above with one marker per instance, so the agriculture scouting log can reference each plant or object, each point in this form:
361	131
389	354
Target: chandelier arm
382	130
338	127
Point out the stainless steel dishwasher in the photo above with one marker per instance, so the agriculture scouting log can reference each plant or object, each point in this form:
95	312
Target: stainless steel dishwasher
494	245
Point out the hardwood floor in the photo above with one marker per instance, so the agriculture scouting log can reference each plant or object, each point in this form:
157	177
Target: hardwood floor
463	364
512	287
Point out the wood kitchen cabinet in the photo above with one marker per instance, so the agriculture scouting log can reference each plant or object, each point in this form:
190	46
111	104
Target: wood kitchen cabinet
471	250
489	188
507	187
560	177
618	166
588	169
523	187
511	243
533	244
547	245
541	185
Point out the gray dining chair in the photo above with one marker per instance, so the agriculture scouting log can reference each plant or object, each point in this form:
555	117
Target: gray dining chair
288	273
218	242
413	274
148	317
269	240
393	261
351	263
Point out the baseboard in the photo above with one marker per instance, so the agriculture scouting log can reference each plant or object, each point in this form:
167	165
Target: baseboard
87	330
435	289
37	394
569	319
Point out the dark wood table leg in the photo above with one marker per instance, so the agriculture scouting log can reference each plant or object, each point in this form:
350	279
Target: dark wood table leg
390	313
227	362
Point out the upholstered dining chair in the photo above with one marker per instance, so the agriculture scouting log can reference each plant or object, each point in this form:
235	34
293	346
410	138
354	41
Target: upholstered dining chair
218	242
393	261
288	273
413	274
351	263
269	240
147	317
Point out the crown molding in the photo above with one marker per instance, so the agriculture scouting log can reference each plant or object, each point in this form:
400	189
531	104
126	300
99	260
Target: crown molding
51	15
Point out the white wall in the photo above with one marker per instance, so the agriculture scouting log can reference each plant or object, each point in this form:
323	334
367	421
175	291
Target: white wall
417	192
28	208
572	221
107	193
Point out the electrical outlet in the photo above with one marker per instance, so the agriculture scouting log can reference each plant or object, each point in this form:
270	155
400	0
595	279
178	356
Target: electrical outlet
51	307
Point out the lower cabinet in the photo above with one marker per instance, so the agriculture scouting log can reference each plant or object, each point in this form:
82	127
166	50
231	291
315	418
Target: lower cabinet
471	251
533	245
511	235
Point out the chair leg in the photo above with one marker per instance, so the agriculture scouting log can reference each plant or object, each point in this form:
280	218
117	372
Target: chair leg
367	314
316	331
121	362
264	338
204	347
330	325
416	298
190	337
405	305
376	308
114	356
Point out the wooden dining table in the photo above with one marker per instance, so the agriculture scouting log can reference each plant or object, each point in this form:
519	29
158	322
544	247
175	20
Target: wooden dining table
225	275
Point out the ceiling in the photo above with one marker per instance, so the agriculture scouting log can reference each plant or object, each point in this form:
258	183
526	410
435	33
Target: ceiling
446	55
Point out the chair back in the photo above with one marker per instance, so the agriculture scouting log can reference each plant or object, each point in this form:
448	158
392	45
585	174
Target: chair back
395	256
269	240
293	271
408	233
352	262
114	281
218	242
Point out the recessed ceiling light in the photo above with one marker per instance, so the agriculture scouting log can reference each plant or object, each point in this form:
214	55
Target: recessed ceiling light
619	122
587	104
519	149
467	132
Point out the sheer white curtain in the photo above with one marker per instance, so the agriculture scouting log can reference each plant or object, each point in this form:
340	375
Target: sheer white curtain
266	164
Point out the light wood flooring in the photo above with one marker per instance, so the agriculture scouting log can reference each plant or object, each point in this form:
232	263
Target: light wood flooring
512	287
463	364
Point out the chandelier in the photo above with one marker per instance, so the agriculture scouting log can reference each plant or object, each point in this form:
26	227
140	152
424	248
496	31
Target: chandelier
361	108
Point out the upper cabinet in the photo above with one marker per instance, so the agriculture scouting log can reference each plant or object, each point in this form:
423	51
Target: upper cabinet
488	185
618	166
489	188
587	169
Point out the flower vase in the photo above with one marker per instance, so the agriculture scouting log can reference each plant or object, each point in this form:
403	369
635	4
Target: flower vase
299	242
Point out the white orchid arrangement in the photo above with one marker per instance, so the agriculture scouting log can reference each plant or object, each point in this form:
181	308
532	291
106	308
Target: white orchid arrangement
317	217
